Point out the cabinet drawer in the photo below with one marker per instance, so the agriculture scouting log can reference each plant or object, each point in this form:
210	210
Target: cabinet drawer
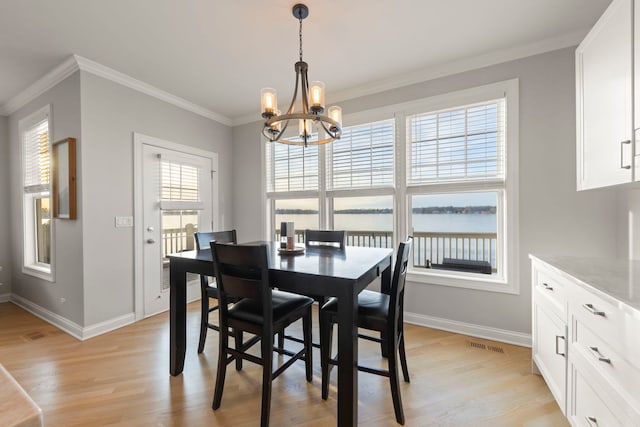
620	330
606	361
588	408
549	286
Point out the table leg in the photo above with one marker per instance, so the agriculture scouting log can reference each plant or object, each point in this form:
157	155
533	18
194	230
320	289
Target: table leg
178	319
347	359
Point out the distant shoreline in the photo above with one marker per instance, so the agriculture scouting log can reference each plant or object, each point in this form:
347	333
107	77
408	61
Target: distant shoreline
489	210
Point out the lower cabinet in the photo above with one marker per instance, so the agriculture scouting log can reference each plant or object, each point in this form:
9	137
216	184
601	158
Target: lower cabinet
587	348
550	350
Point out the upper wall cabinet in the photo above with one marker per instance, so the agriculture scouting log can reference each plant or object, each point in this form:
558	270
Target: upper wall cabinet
604	104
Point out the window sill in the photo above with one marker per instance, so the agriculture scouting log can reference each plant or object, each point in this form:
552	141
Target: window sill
490	283
39	271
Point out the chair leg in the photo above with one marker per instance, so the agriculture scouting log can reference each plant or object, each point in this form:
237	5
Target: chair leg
238	337
267	377
392	358
222	365
308	345
383	344
281	340
326	335
403	358
204	313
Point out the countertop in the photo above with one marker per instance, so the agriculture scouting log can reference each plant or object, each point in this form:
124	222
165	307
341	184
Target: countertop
616	280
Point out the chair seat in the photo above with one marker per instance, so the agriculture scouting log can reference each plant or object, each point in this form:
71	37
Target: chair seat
373	309
284	305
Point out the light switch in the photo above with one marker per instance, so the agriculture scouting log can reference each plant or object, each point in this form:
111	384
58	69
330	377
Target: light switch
124	221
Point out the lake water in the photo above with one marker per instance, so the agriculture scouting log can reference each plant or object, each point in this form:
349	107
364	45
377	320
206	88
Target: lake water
476	223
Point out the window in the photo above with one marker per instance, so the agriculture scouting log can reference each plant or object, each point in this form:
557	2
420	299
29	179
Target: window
440	169
36	165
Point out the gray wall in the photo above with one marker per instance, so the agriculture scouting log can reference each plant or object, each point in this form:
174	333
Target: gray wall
64	99
110	115
5	256
553	217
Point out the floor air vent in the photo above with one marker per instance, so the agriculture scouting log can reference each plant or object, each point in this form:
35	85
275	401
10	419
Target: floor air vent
482	346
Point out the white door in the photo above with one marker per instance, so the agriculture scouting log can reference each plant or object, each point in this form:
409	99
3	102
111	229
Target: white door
177	201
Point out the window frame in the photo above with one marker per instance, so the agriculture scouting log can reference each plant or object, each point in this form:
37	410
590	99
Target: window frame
30	264
507	209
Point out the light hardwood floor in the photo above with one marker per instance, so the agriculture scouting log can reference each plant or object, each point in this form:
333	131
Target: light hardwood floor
122	378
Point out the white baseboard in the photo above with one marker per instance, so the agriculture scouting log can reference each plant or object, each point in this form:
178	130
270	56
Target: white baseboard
495	334
5	298
107	326
72	328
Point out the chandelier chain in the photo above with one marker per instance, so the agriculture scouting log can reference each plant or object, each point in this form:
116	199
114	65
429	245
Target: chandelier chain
300	36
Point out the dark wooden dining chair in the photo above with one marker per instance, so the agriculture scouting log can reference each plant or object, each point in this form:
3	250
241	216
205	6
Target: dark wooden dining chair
242	273
208	289
331	239
325	238
377	311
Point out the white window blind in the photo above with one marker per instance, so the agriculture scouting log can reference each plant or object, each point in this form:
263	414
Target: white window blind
291	167
179	182
37	163
179	186
461	144
363	157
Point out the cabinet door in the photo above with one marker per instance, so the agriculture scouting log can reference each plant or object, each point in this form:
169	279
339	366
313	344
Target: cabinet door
550	350
604	100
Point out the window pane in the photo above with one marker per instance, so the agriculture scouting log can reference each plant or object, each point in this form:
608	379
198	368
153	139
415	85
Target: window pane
460	226
303	213
178	227
43	230
291	167
368	220
363	157
462	144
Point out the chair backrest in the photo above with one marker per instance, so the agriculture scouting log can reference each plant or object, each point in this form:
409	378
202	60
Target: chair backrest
399	277
326	238
203	238
242	271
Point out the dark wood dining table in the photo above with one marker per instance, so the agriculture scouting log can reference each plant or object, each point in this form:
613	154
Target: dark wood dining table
340	273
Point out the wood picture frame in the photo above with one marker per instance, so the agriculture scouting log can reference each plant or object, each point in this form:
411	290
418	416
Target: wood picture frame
63	171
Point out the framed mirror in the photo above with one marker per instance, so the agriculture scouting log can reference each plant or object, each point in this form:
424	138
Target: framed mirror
64	178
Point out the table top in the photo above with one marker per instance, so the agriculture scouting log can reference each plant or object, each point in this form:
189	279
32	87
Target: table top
348	263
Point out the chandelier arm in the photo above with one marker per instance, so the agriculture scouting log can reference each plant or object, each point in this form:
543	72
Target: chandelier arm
295	94
333	134
305	91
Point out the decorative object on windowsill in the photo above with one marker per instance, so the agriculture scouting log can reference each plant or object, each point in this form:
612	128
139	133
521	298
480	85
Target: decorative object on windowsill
276	123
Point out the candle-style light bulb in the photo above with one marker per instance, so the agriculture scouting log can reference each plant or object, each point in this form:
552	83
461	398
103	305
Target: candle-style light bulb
316	95
269	100
305	128
335	113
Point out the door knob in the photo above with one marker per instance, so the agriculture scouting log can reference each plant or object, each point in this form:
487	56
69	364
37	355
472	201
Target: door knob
151	241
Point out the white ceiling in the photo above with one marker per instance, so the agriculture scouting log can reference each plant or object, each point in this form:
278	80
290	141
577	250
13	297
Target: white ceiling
219	53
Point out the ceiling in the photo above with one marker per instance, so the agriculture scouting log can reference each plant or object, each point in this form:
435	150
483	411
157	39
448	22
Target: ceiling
218	53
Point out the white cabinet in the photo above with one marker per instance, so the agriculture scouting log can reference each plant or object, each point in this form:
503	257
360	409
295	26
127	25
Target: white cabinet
604	100
586	337
549	336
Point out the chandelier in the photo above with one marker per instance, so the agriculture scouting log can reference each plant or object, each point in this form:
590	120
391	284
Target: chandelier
313	106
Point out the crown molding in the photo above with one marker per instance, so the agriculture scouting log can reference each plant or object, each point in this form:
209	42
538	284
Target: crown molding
77	62
450	68
43	84
125	80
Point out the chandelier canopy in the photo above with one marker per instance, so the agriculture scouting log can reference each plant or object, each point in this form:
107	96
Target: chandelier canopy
312	106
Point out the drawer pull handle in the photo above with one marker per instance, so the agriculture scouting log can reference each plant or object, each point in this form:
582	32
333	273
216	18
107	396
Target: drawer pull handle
547	287
592	421
557	346
593	311
599	355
